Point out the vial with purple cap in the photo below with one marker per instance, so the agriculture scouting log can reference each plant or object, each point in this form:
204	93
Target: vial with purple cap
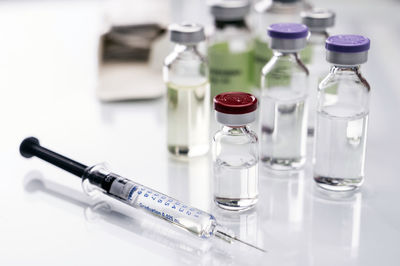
342	115
284	99
269	12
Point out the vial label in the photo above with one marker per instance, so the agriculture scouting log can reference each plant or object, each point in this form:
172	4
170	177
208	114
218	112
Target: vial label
230	71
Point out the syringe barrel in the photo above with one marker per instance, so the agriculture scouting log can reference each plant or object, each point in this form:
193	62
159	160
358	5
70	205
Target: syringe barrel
153	202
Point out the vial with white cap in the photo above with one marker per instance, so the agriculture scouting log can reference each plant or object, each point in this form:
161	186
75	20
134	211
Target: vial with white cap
188	96
230	48
235	152
342	115
284	99
318	21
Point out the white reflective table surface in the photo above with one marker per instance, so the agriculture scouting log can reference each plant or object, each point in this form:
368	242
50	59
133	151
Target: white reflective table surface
48	92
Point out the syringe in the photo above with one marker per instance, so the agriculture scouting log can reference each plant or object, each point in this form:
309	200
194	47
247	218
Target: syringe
200	223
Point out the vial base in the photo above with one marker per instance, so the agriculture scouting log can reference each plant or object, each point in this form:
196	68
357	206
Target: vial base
186	151
338	184
235	204
283	164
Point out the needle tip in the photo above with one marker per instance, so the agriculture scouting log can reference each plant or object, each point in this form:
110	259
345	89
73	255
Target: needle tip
250	245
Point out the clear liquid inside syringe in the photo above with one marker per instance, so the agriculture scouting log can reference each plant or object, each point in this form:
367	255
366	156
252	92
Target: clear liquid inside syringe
191	219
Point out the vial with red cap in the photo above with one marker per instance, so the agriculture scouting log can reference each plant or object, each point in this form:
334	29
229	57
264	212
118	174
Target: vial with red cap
235	152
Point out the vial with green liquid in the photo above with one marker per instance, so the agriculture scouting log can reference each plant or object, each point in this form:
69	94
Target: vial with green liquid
230	48
269	12
188	97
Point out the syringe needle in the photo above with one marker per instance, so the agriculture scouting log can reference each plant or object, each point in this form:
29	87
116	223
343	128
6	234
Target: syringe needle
241	241
225	235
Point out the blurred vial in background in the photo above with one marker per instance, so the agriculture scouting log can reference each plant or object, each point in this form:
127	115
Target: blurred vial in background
186	76
317	21
269	12
342	115
235	152
230	48
284	99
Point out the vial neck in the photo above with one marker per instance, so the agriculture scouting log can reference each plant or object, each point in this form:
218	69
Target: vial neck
230	129
292	56
337	69
279	53
286	5
238	23
349	72
183	48
318	35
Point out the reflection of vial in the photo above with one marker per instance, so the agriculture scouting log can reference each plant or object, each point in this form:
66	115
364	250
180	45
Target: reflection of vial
269	12
335	228
342	115
284	99
286	199
230	48
245	224
186	76
235	152
317	20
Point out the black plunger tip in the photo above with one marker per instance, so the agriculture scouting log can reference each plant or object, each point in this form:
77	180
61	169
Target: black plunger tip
26	146
30	147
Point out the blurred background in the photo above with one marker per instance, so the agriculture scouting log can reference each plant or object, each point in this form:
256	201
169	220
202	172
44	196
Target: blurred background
62	80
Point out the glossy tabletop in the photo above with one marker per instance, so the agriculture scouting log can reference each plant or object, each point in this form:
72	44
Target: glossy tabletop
48	73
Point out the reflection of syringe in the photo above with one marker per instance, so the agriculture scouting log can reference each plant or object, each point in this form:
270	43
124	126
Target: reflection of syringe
98	210
200	223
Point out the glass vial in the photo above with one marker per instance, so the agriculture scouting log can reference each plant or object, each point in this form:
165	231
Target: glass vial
186	76
235	152
317	21
269	12
230	48
342	115
284	99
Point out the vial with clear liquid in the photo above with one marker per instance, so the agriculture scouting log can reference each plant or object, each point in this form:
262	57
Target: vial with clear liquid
317	21
230	48
283	117
342	115
269	12
188	96
235	152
